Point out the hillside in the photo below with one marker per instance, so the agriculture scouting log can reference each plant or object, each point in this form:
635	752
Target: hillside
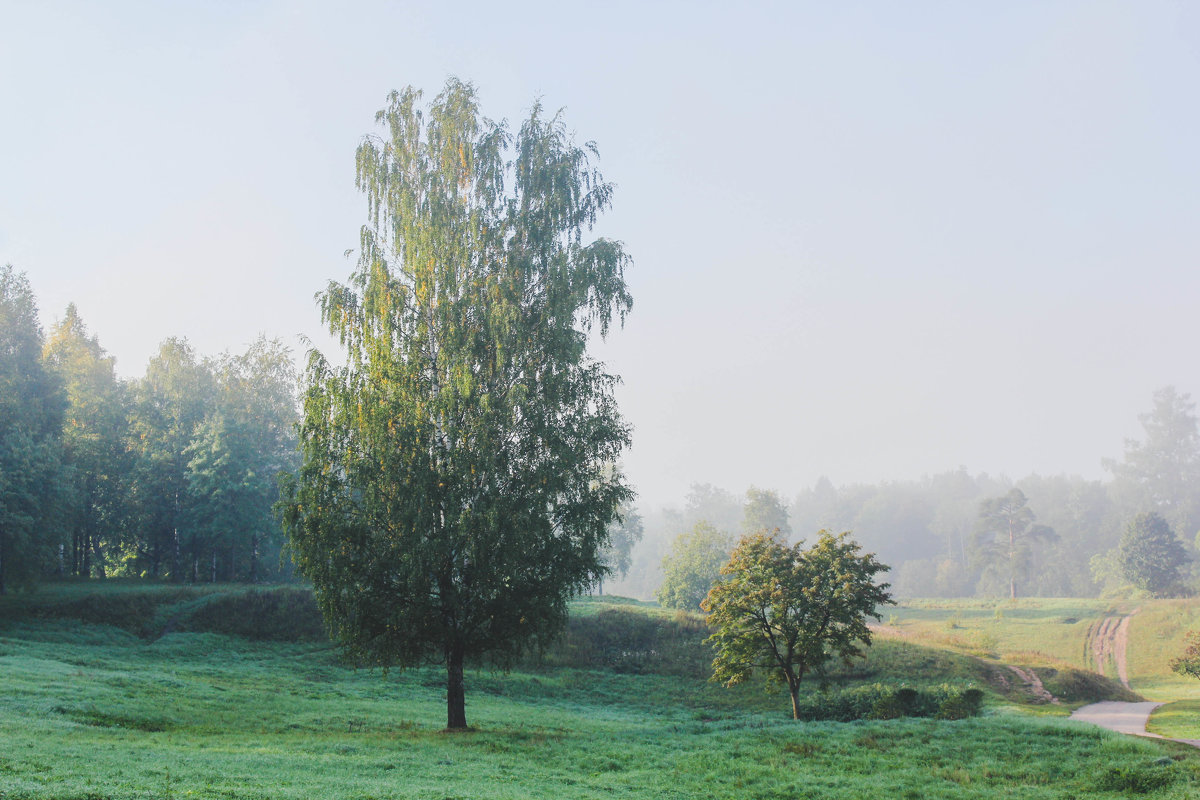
147	704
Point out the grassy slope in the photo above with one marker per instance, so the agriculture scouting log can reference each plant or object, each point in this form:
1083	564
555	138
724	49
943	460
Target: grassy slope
1057	629
1157	636
94	711
1054	628
1046	636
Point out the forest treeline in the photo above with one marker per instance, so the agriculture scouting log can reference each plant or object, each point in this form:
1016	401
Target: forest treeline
171	475
940	536
174	476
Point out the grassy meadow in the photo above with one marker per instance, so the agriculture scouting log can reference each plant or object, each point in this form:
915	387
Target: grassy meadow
166	703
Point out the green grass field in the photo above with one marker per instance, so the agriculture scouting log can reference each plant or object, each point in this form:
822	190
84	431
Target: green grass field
99	711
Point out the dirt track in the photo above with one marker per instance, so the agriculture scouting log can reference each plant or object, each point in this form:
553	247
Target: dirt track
1107	641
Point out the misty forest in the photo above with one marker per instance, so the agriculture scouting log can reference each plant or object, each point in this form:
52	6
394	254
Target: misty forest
421	549
174	475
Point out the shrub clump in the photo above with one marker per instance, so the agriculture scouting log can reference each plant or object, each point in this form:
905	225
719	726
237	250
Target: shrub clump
883	701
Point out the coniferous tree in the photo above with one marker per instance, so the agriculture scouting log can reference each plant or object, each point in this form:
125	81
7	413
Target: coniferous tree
1161	473
1006	535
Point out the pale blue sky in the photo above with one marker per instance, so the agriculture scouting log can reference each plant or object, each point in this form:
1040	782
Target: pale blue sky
872	240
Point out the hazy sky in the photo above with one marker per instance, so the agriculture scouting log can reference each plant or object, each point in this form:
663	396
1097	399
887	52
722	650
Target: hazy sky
871	240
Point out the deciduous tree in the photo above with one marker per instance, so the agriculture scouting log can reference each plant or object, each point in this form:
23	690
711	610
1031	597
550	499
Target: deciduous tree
237	456
1150	555
94	457
456	486
171	402
764	511
789	610
623	536
693	565
31	414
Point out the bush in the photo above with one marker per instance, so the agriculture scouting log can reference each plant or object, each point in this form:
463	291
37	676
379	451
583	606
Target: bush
960	704
882	701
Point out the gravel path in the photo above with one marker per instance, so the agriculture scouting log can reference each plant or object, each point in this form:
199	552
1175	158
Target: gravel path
1128	718
1117	716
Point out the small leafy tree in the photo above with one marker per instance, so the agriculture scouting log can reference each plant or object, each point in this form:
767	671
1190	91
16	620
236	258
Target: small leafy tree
693	565
1150	556
1188	664
763	510
789	610
623	536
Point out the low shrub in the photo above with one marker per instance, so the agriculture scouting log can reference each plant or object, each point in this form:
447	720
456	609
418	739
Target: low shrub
884	701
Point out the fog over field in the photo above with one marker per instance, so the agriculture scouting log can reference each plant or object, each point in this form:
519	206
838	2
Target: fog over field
872	242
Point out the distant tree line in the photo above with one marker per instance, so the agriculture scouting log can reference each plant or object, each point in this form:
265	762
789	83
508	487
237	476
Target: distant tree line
172	475
959	534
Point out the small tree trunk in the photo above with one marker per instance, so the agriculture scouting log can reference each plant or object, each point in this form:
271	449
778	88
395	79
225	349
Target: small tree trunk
254	558
3	582
62	566
794	678
98	552
214	566
456	710
1012	563
176	575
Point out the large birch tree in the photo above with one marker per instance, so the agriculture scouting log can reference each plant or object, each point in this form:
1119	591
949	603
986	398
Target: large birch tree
457	482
